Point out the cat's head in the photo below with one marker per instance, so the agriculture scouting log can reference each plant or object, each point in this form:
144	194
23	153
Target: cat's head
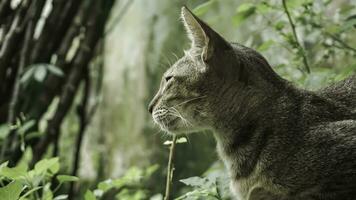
190	90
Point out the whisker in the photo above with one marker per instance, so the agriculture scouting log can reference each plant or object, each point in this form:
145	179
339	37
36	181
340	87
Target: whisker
180	116
175	55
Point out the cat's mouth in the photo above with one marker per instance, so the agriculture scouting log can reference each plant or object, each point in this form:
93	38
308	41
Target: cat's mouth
167	120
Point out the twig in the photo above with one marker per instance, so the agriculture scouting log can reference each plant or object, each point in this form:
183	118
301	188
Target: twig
13	106
342	43
170	168
83	121
300	47
94	30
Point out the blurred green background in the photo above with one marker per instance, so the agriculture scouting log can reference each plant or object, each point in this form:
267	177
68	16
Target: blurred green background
122	154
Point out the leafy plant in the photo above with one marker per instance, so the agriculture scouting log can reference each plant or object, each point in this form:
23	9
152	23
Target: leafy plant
21	183
131	186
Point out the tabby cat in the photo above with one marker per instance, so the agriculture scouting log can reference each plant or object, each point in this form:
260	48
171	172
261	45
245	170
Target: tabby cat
277	141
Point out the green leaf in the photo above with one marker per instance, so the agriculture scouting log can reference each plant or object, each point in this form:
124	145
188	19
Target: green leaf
4	131
333	28
55	70
61	197
67	178
245	7
51	165
23	197
3	165
263	8
266	45
194	181
279	25
15	173
89	195
35	134
243	12
26	76
181	140
47	192
40	73
349	24
106	185
11	191
203	8
26	126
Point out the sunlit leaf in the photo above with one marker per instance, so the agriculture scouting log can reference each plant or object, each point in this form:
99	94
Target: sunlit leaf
266	45
263	8
47	192
181	140
51	165
55	70
26	126
40	73
351	23
14	173
11	191
61	197
4	131
203	8
67	178
194	181
23	197
105	185
28	74
245	7
89	195
243	12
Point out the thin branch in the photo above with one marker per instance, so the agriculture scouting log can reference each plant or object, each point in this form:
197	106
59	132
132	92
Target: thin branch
170	168
13	37
24	55
94	30
64	17
296	39
342	43
83	122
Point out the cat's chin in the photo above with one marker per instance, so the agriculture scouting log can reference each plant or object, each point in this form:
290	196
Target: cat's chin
174	127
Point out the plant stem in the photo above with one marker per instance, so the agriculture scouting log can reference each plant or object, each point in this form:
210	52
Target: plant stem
338	40
300	47
170	168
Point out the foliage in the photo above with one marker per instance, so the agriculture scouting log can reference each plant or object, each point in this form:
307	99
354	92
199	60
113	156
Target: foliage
43	182
213	185
20	182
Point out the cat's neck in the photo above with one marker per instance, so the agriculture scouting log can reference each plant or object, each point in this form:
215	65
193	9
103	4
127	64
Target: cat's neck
242	125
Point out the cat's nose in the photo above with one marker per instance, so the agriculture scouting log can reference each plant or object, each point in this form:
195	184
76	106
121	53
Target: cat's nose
153	103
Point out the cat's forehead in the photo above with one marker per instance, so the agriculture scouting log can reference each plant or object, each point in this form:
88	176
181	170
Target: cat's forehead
183	66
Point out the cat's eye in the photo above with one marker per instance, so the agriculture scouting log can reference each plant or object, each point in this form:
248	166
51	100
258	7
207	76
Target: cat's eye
167	78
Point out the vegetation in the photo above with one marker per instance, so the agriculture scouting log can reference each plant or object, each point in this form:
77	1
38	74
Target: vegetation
71	130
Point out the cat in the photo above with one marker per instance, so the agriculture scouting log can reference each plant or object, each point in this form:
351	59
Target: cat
276	141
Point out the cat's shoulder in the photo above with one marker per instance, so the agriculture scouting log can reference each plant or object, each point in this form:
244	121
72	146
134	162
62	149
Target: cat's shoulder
344	130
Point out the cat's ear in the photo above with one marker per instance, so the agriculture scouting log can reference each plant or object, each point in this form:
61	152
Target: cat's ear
204	40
